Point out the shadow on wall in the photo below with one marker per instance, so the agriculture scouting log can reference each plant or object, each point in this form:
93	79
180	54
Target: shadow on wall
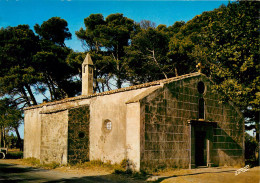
226	149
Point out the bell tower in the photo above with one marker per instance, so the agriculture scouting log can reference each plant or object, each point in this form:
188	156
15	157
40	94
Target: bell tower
87	76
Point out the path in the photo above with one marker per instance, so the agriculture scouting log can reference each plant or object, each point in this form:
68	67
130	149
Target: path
11	172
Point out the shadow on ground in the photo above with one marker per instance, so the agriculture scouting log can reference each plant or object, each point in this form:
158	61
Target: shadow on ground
10	173
190	174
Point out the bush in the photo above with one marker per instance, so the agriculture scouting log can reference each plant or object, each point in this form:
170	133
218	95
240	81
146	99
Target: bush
14	155
93	164
51	165
36	163
123	167
32	161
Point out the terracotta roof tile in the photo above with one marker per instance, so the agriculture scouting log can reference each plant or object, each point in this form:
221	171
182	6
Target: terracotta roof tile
145	85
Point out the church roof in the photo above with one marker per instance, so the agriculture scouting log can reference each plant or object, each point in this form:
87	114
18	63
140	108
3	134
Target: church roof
135	87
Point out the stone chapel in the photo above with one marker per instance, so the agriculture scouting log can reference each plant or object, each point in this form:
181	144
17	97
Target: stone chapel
176	122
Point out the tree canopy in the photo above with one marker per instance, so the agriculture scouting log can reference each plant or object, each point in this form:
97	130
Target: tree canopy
106	38
34	64
10	119
55	29
225	41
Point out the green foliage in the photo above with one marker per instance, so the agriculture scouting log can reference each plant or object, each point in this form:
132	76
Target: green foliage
32	161
14	155
95	164
106	39
226	41
36	163
125	168
146	56
51	165
10	120
17	47
9	115
55	29
50	60
122	168
32	65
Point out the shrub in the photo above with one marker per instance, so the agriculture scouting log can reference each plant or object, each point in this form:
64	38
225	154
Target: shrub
14	155
36	163
32	161
51	165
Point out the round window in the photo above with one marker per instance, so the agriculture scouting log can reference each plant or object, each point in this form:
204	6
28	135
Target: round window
81	135
201	87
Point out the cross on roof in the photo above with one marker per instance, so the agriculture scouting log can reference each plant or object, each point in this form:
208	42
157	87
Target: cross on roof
200	67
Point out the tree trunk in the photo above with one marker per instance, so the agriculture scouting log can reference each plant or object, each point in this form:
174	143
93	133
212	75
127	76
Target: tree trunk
158	65
54	95
25	97
118	82
50	88
19	141
4	140
31	94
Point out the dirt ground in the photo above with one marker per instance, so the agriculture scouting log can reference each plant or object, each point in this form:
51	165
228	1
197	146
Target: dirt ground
73	174
210	175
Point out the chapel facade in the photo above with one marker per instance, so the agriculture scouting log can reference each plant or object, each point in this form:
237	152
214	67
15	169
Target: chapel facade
177	122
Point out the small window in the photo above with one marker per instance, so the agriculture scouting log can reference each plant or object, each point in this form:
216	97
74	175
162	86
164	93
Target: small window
107	125
84	68
201	108
90	69
81	135
201	87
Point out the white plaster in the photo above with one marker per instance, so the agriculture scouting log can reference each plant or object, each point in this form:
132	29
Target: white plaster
133	134
32	133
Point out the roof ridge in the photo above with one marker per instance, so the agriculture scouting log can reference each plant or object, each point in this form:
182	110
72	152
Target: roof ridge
143	85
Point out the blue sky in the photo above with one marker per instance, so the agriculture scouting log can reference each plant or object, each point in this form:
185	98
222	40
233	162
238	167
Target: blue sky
15	12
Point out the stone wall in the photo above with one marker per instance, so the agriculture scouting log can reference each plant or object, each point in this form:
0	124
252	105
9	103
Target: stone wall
166	134
54	137
78	135
228	143
166	139
228	146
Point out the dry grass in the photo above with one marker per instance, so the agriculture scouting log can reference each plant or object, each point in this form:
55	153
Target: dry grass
36	163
